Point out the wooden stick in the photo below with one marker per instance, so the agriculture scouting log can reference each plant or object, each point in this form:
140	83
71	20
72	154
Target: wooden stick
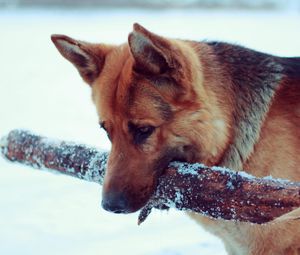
215	192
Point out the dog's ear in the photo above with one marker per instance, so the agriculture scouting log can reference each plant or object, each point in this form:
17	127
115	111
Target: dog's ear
88	58
153	54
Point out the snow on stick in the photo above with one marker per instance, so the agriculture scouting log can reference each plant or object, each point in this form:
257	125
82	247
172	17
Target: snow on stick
212	191
68	158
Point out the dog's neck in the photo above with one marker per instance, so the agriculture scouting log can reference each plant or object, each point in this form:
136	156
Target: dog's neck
250	80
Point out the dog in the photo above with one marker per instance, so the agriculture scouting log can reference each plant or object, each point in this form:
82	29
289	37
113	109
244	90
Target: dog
162	99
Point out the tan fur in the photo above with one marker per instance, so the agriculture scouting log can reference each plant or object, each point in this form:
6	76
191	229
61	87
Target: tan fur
192	112
275	154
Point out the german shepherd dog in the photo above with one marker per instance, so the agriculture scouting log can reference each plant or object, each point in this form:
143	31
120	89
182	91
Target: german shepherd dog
162	99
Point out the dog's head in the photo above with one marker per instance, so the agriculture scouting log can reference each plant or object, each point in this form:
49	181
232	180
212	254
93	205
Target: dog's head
151	101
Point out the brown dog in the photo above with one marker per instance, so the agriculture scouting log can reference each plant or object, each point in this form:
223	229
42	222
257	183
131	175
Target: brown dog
161	100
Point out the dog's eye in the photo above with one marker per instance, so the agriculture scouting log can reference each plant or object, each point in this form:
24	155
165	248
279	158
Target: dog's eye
140	134
146	130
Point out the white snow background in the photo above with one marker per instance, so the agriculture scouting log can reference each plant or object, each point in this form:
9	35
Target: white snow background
41	213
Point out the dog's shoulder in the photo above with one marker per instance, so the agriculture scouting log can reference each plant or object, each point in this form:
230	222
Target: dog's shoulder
255	78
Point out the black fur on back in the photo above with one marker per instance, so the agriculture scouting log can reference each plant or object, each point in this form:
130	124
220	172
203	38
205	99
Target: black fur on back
291	67
254	78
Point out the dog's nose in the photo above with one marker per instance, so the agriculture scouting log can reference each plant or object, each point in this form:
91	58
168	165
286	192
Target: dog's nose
115	202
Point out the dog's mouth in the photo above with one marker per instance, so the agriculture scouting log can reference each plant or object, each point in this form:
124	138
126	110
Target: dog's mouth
129	201
163	165
185	154
152	201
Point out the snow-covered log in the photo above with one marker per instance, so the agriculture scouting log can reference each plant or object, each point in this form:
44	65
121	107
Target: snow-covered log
212	191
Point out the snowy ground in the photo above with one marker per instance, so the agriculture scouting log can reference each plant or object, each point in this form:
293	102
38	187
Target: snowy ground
46	214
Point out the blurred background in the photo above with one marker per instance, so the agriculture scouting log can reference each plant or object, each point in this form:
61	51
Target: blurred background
166	4
42	213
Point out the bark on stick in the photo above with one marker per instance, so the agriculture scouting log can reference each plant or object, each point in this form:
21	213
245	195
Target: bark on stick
212	191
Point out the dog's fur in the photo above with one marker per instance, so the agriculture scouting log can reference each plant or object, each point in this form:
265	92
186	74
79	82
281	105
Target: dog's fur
161	99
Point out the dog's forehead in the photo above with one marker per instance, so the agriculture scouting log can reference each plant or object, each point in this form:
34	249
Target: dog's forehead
118	93
107	86
146	102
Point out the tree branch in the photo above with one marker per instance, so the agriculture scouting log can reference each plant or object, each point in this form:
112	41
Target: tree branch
215	192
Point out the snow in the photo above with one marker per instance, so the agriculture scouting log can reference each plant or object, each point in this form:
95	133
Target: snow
46	214
230	185
187	169
281	181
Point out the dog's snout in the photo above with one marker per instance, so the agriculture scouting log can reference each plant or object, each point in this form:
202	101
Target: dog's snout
115	202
